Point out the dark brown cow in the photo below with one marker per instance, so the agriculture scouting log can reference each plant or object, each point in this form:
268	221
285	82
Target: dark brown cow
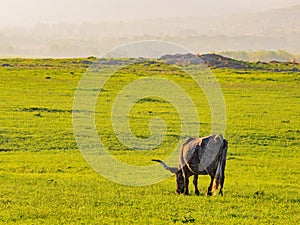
200	156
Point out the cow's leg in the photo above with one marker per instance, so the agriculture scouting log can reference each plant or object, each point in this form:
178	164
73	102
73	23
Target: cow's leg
186	185
221	184
209	190
195	181
186	181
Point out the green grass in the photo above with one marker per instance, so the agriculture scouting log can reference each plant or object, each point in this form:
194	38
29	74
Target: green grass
45	179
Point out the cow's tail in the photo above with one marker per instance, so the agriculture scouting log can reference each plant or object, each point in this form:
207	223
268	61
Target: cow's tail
220	176
171	169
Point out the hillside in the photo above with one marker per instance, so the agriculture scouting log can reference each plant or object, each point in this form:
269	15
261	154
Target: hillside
45	178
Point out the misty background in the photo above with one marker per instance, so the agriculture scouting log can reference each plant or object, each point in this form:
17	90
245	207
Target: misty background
65	28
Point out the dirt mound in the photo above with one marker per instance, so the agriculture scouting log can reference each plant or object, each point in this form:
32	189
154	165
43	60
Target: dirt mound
211	60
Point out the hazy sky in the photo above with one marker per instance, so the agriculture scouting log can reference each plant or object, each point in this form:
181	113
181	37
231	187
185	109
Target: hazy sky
19	12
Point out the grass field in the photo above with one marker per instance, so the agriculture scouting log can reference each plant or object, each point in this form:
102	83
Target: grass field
45	179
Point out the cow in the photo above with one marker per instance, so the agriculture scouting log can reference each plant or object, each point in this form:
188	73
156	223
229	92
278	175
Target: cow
200	156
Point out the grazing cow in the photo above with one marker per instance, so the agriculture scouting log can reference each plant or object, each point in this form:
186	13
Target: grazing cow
200	156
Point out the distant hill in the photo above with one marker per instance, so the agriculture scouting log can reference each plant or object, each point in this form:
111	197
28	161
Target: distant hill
211	60
219	61
271	30
262	55
214	61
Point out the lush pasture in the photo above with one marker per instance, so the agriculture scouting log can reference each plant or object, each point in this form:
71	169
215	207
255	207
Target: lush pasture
45	179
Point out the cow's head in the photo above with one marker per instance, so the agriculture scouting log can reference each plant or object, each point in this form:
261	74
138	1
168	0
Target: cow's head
179	182
178	175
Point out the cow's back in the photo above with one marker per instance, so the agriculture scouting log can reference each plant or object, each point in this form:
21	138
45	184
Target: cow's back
200	154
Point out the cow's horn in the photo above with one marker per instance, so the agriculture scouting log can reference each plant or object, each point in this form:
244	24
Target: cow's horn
171	169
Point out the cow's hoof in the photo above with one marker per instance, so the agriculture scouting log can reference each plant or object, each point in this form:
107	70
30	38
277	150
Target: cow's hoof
209	194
